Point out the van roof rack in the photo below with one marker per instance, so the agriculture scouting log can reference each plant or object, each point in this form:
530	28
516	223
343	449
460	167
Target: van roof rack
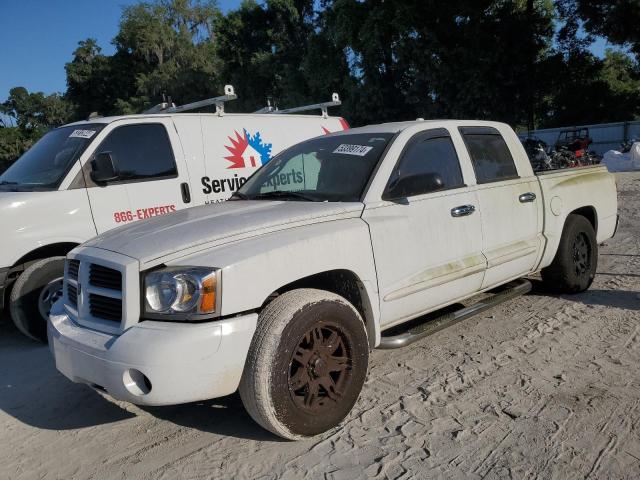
168	107
323	107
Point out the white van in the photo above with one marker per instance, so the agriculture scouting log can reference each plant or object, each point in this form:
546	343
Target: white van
87	177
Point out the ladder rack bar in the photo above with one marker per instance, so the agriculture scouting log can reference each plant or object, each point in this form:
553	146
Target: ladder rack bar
335	101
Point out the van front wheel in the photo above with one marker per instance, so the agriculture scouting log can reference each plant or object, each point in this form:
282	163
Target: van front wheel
33	294
306	365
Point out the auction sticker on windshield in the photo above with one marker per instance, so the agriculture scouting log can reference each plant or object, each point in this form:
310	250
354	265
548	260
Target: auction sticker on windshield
82	134
359	150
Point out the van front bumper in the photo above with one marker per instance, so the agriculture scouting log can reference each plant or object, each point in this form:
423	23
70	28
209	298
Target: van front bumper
154	363
4	273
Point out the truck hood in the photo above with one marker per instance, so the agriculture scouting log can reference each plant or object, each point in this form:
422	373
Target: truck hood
194	229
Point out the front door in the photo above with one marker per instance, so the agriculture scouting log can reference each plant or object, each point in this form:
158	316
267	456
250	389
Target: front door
427	245
150	175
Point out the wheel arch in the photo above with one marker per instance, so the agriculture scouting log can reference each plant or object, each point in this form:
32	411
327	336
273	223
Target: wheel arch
58	249
345	283
589	212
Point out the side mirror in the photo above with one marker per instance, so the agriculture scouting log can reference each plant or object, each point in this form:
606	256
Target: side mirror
415	184
103	169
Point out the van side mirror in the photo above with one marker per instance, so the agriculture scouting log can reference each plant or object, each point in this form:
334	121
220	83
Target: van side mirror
414	184
103	169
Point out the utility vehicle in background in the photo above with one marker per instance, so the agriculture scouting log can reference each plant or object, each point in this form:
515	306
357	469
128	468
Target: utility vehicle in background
88	177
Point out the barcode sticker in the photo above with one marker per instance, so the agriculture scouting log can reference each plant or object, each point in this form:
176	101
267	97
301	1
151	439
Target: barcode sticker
359	150
82	134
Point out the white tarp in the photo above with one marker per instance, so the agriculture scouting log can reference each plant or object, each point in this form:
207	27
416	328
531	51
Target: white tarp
623	162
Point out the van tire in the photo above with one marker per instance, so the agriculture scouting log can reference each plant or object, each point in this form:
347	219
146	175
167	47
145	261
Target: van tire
332	337
24	303
574	267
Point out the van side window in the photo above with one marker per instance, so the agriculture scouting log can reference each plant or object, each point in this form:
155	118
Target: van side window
491	158
140	152
430	152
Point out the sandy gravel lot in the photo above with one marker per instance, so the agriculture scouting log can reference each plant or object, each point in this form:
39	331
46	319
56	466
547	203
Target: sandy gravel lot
541	387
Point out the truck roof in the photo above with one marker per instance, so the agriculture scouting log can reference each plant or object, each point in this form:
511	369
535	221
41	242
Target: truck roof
395	127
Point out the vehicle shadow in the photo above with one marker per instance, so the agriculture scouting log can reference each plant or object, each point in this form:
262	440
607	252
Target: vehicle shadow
628	300
36	394
221	416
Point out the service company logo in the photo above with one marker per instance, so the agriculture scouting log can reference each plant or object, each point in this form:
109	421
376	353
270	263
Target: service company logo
248	151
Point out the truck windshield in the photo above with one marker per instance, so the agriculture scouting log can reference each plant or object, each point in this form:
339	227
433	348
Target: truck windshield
333	168
44	166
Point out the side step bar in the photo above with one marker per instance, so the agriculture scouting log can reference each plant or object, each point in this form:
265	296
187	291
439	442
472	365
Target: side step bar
506	292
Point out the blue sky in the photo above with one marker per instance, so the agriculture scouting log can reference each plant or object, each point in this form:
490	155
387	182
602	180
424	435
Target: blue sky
38	37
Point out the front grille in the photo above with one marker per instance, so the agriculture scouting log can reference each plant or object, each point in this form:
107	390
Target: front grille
104	277
72	295
72	268
106	308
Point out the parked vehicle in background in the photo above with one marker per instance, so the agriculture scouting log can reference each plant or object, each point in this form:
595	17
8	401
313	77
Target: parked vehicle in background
574	139
88	177
283	290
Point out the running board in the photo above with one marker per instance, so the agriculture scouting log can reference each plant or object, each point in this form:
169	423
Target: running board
504	293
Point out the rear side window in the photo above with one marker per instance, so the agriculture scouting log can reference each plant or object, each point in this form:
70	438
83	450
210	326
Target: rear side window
140	152
431	152
491	158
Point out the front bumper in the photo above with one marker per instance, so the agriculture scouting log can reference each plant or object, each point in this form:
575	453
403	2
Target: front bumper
183	362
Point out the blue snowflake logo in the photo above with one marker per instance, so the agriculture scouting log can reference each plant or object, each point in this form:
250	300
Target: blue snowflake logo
264	149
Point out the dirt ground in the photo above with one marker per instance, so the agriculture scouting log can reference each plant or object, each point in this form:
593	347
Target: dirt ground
541	387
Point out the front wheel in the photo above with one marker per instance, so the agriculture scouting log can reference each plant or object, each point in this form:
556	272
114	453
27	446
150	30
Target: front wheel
33	295
574	266
306	365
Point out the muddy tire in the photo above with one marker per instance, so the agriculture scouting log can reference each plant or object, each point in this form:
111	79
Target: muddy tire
574	266
35	290
306	365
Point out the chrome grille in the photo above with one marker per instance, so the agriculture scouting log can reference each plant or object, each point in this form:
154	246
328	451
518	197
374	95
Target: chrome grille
72	268
106	308
104	277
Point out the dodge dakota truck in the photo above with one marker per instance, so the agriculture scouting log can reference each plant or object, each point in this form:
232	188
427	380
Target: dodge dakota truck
326	252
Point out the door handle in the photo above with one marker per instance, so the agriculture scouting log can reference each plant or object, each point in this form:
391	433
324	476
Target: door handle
186	194
527	197
462	210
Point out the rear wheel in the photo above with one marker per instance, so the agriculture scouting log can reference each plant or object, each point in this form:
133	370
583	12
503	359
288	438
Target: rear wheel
306	365
574	266
34	293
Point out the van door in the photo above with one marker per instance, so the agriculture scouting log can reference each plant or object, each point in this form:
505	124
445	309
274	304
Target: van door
427	246
511	229
151	175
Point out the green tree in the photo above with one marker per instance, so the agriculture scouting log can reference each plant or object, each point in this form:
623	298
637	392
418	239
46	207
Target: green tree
34	114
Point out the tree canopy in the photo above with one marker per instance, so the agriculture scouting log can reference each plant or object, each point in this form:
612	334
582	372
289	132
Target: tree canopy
525	62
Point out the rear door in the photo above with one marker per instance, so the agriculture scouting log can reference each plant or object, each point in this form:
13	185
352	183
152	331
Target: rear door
152	175
428	246
508	202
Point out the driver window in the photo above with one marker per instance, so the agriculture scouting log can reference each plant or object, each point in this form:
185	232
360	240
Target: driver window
432	152
299	173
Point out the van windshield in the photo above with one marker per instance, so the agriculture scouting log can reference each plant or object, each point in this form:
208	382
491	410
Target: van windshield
333	168
44	166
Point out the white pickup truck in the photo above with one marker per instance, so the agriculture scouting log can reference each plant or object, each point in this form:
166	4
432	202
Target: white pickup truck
283	290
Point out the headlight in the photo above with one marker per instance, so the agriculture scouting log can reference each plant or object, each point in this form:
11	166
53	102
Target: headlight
181	292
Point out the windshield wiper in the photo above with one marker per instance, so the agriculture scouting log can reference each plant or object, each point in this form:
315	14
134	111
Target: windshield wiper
239	196
284	194
4	182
